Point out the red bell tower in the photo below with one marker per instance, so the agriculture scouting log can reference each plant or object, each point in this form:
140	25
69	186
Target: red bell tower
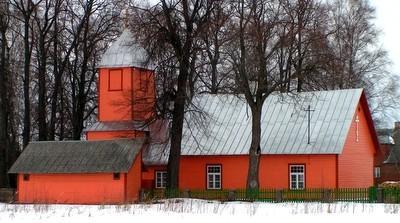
126	90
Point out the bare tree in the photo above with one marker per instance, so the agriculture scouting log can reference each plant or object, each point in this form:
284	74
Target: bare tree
256	43
175	25
4	25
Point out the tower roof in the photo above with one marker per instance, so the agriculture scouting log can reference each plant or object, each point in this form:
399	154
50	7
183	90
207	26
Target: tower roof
125	52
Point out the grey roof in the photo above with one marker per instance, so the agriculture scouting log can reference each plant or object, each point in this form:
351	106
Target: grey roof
156	154
117	126
225	126
78	156
125	52
394	156
284	124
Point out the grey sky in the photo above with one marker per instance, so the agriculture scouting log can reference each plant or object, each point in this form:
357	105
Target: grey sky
388	21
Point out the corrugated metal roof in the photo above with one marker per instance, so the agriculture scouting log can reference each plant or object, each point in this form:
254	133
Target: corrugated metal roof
225	127
117	126
125	52
78	156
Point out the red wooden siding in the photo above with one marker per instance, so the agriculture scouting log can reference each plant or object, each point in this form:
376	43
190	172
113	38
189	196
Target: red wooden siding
148	175
71	188
106	135
134	177
320	170
274	171
355	164
125	94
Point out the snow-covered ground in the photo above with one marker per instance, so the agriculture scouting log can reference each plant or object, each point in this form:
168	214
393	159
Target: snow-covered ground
192	211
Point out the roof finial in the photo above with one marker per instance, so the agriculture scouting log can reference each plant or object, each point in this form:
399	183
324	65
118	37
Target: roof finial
124	15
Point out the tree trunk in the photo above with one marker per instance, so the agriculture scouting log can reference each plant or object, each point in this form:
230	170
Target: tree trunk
4	181
255	150
42	90
177	129
26	134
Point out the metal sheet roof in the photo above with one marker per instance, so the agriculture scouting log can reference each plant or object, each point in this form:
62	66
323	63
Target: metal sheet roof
284	124
117	126
125	52
78	156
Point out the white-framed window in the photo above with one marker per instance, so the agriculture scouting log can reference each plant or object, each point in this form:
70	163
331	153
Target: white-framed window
214	177
297	173
161	179
377	172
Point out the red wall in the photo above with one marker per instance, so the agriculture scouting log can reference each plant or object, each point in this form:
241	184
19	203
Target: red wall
133	101
148	175
320	170
274	171
71	188
107	135
133	180
355	164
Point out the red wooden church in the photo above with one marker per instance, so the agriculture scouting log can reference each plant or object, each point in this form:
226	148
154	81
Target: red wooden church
322	139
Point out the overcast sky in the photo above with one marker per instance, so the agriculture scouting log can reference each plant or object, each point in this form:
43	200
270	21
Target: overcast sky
388	21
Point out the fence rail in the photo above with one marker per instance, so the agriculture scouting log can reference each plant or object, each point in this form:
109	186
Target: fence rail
361	195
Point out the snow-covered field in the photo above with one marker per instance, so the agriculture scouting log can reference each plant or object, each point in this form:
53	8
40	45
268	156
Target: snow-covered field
192	211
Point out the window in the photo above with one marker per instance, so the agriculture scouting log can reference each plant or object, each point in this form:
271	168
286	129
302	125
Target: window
377	172
26	177
297	177
116	176
115	80
213	177
161	179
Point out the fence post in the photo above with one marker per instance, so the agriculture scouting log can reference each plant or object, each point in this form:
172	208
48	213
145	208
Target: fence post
379	195
141	195
186	193
231	195
327	196
278	196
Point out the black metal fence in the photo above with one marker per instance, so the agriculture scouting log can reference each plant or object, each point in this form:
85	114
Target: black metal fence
360	195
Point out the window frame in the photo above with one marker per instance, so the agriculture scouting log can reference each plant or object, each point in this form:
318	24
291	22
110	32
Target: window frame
213	174
377	174
297	174
109	79
163	183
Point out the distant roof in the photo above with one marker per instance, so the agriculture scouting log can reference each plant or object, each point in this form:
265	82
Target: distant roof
394	156
78	156
125	52
385	136
117	126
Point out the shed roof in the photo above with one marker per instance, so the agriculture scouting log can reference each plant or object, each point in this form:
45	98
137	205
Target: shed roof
125	52
78	156
225	126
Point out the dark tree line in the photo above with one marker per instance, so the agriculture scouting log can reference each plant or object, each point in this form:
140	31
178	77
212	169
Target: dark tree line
49	55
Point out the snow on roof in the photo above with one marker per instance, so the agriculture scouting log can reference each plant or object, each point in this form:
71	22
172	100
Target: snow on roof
125	52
